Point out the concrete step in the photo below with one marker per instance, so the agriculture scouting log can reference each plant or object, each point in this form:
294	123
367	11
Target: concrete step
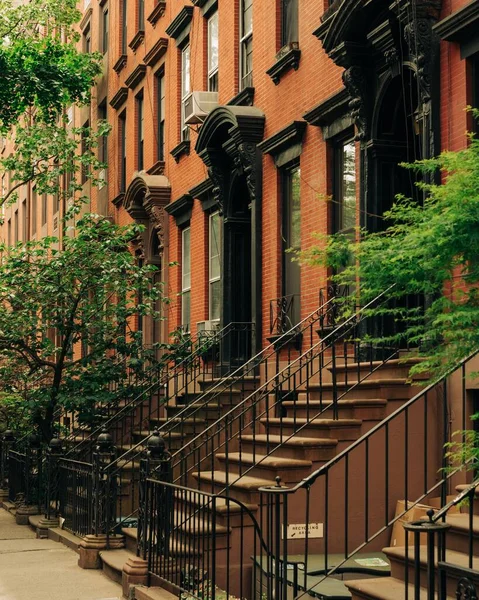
339	429
298	447
382	588
113	561
265	467
395	367
153	593
372	387
458	535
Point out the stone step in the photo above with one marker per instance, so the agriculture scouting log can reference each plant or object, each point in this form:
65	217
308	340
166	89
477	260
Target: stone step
299	447
266	467
244	489
394	367
458	536
383	588
397	557
372	387
339	429
113	562
363	409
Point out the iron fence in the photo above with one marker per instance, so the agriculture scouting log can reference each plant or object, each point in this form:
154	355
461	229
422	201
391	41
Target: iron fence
76	496
16	475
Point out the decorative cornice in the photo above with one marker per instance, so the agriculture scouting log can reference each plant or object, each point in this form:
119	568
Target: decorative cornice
243	98
137	39
120	63
119	98
287	60
86	17
292	134
202	190
157	12
157	169
182	148
181	209
328	110
207	6
136	76
180	22
460	24
158	50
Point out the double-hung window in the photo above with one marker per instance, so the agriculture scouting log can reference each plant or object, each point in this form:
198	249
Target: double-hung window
475	87
291	238
122	153
34	211
185	89
246	43
44	209
105	24
103	141
186	278
141	15
140	131
160	134
345	186
85	150
289	22
87	40
214	266
124	26
213	52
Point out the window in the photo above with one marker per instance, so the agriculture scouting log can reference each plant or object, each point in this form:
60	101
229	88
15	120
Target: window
213	52
185	89
215	267
56	197
103	141
105	25
140	131
44	208
87	40
246	43
289	22
291	237
34	211
122	154
345	186
9	232
124	30
15	226
85	149
185	278
160	91
141	15
24	221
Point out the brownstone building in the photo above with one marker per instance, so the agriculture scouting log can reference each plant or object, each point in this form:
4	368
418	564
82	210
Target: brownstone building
239	129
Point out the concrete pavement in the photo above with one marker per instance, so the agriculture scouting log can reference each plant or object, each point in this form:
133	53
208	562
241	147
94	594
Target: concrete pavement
36	569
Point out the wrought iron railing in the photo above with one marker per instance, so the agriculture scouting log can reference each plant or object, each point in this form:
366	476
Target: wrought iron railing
354	495
16	475
76	496
214	394
282	313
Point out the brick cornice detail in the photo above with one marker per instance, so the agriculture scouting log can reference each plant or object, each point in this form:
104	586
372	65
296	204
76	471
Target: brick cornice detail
137	39
328	110
119	98
120	63
157	12
289	135
182	20
136	76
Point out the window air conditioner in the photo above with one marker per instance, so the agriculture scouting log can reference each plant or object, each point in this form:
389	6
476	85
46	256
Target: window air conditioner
207	326
198	105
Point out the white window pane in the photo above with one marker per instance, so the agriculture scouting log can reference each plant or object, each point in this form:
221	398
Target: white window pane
213	42
215	300
185	71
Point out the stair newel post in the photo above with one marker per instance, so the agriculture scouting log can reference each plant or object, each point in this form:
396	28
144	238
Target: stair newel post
434	531
8	439
32	481
53	455
104	486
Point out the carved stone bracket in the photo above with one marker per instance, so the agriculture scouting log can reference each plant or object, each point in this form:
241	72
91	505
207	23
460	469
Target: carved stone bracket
355	81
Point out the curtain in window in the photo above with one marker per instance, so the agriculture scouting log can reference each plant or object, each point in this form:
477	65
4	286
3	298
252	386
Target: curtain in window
290	21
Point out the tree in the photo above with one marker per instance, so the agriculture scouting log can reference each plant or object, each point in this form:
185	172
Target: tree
68	320
430	249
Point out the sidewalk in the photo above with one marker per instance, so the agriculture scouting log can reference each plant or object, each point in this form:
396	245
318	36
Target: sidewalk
34	569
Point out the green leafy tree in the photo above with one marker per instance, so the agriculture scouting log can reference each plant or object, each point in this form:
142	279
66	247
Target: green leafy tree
68	321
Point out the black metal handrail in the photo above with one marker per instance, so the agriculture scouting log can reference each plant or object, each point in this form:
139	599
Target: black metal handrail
281	313
408	424
234	388
225	434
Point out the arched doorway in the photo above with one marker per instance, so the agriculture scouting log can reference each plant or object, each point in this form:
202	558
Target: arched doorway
227	144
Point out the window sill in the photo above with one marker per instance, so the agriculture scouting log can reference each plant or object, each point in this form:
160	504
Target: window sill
157	12
243	98
286	59
137	40
180	150
120	63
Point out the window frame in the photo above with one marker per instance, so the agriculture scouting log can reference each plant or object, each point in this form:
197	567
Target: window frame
124	27
246	42
84	148
103	142
86	39
105	29
140	131
185	88
212	70
44	210
161	120
214	279
475	88
140	7
122	153
338	221
34	208
185	288
287	32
